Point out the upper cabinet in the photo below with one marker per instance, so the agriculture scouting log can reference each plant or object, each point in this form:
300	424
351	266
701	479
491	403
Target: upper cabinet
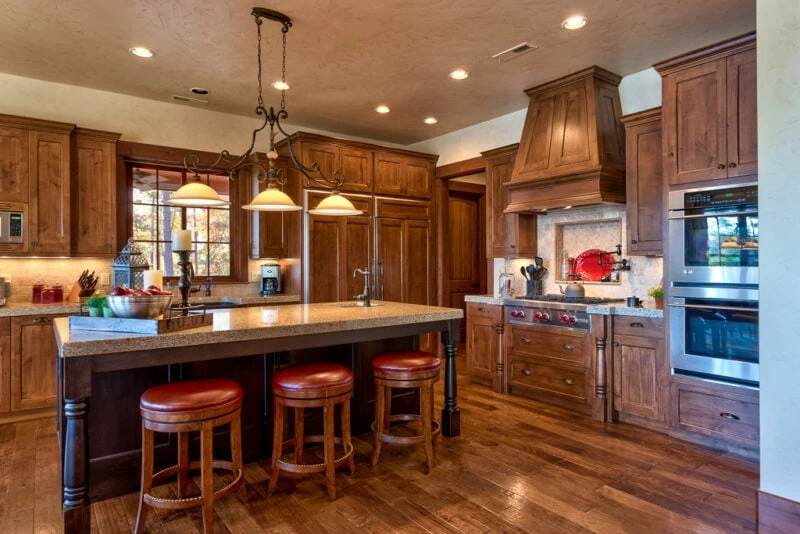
14	182
644	183
403	175
353	163
709	113
507	234
94	198
572	150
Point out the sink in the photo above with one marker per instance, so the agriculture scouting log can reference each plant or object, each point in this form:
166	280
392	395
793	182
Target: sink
356	304
223	303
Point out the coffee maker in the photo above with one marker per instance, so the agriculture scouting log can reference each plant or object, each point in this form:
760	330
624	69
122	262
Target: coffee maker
271	279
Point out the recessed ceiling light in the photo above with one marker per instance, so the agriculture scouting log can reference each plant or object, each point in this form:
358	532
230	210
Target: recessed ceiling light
141	51
280	85
459	74
383	109
199	90
431	120
575	22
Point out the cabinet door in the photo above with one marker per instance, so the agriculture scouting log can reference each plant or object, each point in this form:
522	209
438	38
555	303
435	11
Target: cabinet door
389	173
323	259
482	347
356	165
389	279
50	196
417	262
639	376
5	364
645	188
570	144
355	252
533	157
33	363
742	114
694	118
418	177
94	180
502	234
14	181
323	154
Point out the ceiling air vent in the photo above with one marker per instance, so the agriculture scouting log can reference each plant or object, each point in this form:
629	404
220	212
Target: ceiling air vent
514	52
189	100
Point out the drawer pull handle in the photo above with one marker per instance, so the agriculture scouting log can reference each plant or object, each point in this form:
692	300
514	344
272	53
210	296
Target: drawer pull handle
637	325
729	415
481	309
525	340
568	346
527	372
569	381
41	320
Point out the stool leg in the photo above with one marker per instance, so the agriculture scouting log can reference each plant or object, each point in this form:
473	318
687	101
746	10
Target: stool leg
347	439
433	410
277	445
236	451
147	477
299	434
387	409
425	411
183	463
330	456
207	476
380	400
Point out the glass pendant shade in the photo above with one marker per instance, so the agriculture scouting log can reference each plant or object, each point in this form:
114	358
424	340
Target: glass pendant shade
335	204
196	195
272	199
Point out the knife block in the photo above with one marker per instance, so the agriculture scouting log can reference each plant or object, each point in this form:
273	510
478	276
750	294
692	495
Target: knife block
74	295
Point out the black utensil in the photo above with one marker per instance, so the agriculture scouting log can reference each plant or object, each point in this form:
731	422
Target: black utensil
530	270
538	261
524	273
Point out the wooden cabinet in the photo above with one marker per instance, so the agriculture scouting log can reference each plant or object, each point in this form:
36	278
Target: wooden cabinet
5	365
14	179
33	363
336	247
645	191
641	368
709	113
404	260
94	193
507	234
484	344
354	163
276	234
398	174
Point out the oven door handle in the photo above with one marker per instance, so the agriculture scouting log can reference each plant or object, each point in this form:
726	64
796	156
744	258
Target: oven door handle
721	214
713	308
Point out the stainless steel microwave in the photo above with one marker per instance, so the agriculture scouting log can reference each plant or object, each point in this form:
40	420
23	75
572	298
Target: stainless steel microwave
11	225
713	235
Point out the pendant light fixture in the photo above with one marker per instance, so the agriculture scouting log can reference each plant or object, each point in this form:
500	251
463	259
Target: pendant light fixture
272	198
195	194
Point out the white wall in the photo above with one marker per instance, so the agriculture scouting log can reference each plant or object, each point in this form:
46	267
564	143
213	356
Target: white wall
778	27
640	90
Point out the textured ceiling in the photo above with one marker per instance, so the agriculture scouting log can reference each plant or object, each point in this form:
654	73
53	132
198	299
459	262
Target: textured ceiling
347	56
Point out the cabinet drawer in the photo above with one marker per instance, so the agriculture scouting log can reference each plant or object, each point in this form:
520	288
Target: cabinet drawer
556	345
717	416
638	326
566	382
487	311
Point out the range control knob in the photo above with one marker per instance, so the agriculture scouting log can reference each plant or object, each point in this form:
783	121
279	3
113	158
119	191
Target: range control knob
545	317
514	313
521	314
565	318
572	319
537	316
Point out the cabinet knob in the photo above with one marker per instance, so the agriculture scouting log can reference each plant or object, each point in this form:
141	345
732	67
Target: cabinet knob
513	245
637	325
569	381
525	340
527	372
721	166
568	346
732	164
634	241
481	308
41	320
729	415
616	343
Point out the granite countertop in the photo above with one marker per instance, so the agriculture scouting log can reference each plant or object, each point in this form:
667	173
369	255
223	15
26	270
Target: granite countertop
247	324
647	310
16	309
486	299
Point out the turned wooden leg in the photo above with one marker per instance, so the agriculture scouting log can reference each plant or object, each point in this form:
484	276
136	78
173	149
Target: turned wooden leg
236	452
387	410
183	463
207	476
347	439
277	445
330	453
75	504
451	416
299	434
380	401
427	430
146	479
433	410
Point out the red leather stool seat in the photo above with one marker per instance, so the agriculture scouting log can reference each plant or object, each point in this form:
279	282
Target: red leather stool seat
313	377
407	361
192	395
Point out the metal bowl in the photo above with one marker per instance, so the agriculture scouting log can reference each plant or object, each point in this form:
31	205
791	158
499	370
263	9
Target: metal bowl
149	307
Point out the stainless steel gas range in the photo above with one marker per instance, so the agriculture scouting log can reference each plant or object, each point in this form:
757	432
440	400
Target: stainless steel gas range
555	311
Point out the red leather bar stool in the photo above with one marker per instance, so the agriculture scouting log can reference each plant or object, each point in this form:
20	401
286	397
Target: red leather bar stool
320	385
410	369
180	408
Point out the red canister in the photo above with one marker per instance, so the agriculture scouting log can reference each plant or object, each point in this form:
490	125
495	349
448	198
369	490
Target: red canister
58	293
37	292
47	296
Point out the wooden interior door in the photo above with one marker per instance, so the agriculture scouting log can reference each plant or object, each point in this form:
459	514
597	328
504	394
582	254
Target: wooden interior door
464	238
742	114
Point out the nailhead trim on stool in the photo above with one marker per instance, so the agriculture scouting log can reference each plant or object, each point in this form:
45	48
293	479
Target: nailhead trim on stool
408	369
183	407
320	385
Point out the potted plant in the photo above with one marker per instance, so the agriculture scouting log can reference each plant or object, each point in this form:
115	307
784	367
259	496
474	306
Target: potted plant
96	305
658	296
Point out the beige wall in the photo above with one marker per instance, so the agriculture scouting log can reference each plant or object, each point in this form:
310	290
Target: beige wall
779	188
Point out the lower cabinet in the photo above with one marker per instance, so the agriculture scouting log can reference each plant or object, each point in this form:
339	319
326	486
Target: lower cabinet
484	350
5	365
33	363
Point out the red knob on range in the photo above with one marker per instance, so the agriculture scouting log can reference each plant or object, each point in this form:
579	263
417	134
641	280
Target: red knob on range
537	315
545	317
565	318
514	313
521	313
572	320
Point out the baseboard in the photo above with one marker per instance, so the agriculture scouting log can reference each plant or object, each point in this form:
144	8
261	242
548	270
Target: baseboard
777	515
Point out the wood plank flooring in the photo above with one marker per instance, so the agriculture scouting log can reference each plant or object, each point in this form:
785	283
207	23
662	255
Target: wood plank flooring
519	466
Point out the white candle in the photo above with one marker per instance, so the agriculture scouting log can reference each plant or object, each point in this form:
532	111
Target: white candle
182	240
153	277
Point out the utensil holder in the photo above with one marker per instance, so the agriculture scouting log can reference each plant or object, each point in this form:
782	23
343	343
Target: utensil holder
534	288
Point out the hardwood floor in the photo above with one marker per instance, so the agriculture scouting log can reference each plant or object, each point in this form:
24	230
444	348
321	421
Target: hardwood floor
519	466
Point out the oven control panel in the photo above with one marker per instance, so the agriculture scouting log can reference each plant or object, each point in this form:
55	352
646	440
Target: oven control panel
566	318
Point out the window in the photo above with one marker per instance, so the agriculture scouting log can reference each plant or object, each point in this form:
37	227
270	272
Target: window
153	222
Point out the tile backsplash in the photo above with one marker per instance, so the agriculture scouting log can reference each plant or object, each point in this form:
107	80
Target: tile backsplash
646	272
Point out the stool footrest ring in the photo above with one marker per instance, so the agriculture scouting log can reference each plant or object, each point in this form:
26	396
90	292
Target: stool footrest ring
314	468
191	502
407	440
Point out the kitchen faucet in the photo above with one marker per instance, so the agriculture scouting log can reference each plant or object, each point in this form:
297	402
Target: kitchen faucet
209	281
363	298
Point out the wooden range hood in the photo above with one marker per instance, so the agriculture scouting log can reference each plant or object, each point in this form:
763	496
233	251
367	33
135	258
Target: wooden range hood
572	151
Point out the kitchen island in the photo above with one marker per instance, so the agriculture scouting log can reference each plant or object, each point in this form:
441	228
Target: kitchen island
102	374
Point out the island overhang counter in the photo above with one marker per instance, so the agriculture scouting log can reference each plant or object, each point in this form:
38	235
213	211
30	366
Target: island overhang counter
102	374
